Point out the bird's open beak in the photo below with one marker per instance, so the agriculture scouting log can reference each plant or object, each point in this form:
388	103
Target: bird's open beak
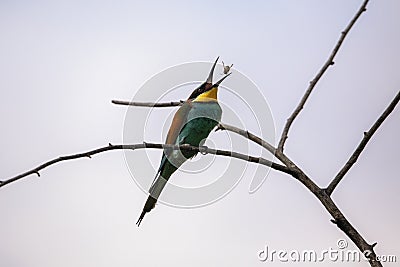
220	81
210	76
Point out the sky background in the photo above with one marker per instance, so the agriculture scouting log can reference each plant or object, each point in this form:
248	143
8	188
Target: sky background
63	62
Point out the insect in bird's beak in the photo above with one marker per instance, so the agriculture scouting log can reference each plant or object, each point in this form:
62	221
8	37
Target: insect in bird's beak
220	81
226	68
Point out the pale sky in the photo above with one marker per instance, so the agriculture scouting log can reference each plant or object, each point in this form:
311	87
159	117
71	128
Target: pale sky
63	62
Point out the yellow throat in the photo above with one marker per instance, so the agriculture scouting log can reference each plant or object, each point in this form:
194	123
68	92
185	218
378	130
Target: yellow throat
210	95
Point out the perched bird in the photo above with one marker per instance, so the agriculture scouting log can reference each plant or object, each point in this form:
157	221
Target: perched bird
191	124
226	68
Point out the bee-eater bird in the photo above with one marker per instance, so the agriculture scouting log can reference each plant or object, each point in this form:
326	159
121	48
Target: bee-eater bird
191	124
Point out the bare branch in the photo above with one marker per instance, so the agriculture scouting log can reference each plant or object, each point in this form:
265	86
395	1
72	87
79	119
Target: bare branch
361	146
247	135
338	217
148	104
202	149
310	88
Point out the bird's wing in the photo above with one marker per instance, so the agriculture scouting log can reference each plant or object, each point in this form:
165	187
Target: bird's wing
178	122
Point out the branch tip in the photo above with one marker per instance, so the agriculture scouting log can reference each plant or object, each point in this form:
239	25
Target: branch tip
37	173
361	146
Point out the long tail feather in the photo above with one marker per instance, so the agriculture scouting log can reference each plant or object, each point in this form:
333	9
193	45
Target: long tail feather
150	203
157	186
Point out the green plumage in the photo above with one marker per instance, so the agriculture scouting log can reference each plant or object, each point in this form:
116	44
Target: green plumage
192	123
201	119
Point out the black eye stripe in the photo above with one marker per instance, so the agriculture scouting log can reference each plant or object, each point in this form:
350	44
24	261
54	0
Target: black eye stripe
198	91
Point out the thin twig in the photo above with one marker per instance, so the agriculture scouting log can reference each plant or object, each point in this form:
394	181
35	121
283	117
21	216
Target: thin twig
202	149
361	146
148	104
310	88
247	135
